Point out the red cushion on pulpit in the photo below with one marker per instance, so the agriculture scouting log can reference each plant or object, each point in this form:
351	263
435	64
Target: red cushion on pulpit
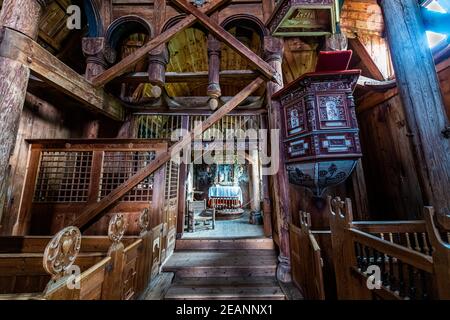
333	60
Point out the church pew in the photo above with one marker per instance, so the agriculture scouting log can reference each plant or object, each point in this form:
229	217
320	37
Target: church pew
113	267
371	263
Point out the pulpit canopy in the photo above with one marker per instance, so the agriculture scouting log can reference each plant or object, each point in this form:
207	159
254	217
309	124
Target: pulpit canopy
293	18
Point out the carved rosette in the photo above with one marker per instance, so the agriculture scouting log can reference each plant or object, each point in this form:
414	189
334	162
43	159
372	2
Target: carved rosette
117	227
61	252
144	220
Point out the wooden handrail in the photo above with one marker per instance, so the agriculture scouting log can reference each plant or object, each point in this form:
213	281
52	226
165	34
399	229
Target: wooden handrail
408	256
390	226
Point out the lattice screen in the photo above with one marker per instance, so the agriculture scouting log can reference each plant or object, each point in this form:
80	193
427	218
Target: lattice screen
63	177
172	175
244	123
158	126
119	166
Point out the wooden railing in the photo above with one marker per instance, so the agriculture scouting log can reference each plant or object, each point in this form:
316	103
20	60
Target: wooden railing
388	260
119	271
306	259
66	176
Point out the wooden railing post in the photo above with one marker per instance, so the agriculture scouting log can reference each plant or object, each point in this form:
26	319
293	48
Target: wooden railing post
112	285
145	258
441	257
59	256
343	252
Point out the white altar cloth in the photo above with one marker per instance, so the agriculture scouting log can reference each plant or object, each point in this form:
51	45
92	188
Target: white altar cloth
219	191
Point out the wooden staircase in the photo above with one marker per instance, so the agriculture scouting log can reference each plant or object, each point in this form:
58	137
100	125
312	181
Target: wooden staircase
238	269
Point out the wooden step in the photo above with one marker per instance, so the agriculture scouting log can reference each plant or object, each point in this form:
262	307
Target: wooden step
222	263
225	244
225	288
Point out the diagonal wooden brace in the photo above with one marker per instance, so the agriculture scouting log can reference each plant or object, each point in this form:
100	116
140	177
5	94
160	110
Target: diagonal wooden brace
121	67
219	32
92	213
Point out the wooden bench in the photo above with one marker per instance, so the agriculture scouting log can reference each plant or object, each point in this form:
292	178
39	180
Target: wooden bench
113	267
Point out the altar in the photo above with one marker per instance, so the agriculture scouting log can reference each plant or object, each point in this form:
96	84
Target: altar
227	200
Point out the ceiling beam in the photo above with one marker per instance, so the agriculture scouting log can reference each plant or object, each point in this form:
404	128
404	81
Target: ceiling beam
200	76
220	33
93	212
121	67
366	59
52	71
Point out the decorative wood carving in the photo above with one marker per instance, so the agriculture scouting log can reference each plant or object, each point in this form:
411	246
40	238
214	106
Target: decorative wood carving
61	252
144	220
117	227
320	131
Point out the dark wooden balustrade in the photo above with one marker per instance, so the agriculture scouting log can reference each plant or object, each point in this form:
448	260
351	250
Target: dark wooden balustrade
411	257
65	176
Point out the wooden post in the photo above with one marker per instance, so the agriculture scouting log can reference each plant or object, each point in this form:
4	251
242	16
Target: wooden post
112	285
344	257
93	50
22	16
419	89
182	185
273	50
214	46
441	257
159	57
267	204
255	194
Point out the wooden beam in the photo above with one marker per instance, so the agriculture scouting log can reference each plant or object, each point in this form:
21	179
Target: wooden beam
375	85
92	212
18	47
366	59
199	76
223	35
120	68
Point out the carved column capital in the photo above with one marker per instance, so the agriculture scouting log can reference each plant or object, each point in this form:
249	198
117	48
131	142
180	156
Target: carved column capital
94	49
273	49
97	56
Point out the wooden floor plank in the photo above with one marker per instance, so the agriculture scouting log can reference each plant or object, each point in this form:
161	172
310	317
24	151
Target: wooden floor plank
158	287
226	244
225	282
225	293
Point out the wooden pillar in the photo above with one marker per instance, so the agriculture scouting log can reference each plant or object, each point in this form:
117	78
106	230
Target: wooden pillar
420	92
267	204
214	46
159	57
182	185
256	197
93	50
255	190
22	16
273	50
